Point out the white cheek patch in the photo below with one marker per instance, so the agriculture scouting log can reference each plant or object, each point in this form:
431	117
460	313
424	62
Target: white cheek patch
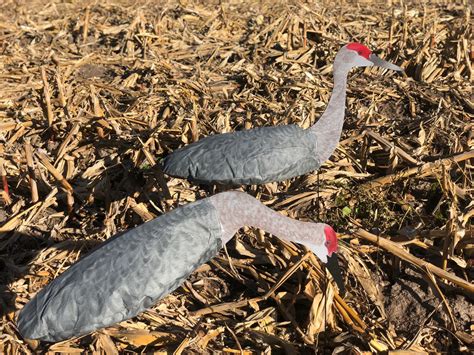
360	61
321	252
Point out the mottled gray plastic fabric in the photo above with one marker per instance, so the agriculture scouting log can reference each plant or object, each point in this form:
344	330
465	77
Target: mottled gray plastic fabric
125	275
270	154
254	156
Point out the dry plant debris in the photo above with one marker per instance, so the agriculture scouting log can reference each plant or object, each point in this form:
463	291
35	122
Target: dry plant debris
94	93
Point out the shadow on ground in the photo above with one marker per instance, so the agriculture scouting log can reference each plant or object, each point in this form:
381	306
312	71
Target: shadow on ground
17	252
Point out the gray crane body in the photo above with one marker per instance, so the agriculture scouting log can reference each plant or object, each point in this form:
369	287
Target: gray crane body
277	153
130	272
125	275
254	156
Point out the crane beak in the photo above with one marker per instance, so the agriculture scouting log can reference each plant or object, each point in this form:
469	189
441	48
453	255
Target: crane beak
379	62
335	271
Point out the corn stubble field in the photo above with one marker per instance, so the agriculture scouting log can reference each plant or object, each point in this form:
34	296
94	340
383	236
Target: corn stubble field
94	94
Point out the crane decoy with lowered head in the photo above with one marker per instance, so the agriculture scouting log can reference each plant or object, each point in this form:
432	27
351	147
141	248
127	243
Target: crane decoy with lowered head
131	271
277	153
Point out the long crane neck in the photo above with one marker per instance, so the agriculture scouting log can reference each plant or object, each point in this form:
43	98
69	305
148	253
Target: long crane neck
237	209
329	127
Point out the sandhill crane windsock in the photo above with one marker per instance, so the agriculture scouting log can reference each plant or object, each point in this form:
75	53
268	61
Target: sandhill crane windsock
130	272
277	153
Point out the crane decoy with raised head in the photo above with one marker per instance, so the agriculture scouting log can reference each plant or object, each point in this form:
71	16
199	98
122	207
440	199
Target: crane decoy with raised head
130	272
275	153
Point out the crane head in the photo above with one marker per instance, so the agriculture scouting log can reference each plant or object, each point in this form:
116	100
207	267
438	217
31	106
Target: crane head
360	49
322	240
331	240
361	56
331	245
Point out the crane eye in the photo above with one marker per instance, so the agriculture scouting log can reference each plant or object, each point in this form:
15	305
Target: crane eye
326	243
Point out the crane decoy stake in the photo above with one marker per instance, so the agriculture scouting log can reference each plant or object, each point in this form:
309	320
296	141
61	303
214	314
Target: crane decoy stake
277	153
131	271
